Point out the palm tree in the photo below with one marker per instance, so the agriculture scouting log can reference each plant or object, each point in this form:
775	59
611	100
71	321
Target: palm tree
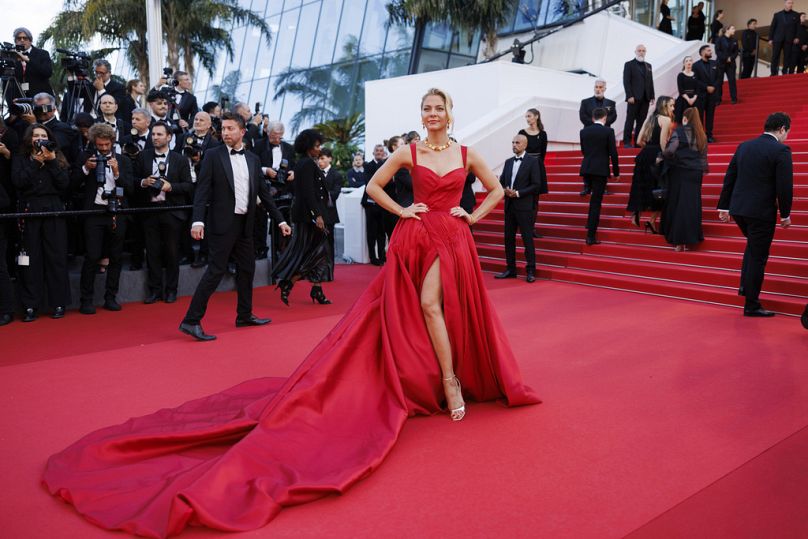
192	29
488	16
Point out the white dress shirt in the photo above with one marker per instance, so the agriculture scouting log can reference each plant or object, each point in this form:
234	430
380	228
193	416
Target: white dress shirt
241	181
161	197
515	169
109	184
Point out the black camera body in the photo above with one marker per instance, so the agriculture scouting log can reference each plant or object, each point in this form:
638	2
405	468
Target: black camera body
157	186
76	63
21	106
49	145
191	147
131	148
283	171
100	169
113	198
8	58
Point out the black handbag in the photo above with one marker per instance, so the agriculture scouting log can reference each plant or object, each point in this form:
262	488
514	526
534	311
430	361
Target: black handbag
660	173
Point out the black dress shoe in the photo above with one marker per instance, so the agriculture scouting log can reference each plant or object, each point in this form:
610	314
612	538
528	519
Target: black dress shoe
154	297
592	240
171	297
531	277
741	291
803	318
231	268
195	331
759	312
199	261
585	192
30	315
507	274
58	312
710	140
5	319
87	308
251	320
111	305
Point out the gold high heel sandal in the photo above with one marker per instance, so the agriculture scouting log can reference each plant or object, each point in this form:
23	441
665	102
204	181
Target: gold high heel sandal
456	413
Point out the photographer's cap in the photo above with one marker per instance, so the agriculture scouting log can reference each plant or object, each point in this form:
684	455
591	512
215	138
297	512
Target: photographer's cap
23	30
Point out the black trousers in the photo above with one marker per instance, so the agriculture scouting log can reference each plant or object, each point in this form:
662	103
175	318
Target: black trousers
102	231
45	241
730	70
374	220
238	242
163	232
598	184
708	111
390	222
747	66
6	290
759	234
525	221
789	56
635	117
331	241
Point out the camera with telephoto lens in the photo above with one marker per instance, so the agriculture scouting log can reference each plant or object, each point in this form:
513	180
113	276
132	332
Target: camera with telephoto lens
169	89
22	106
8	58
131	148
283	172
100	169
191	147
157	186
113	199
49	145
76	63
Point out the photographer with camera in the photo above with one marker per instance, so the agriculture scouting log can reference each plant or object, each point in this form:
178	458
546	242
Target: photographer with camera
159	106
253	123
32	67
106	179
277	160
163	178
138	140
44	110
40	176
103	84
139	137
186	106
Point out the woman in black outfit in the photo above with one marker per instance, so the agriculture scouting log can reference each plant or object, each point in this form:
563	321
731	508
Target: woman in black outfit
8	147
536	135
688	89
6	291
653	137
308	255
402	178
694	30
40	177
686	154
665	24
726	49
716	26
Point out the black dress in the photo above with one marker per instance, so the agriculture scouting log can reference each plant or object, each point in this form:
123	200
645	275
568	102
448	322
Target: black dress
665	24
309	253
681	219
694	29
536	144
645	180
687	85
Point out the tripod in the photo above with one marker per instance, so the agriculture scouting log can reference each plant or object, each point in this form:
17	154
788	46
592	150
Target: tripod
8	83
80	89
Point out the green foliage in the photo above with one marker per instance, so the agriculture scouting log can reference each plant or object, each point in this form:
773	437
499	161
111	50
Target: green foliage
343	137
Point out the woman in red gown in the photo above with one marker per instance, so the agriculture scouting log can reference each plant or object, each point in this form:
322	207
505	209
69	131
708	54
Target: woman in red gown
232	460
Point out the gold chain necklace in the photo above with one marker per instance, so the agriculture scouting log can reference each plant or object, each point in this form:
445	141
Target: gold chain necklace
438	148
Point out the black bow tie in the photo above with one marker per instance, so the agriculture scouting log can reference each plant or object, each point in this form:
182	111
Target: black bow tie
143	138
517	158
112	124
159	156
236	152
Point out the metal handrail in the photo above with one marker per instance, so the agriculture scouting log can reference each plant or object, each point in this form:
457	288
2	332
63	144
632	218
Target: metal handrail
82	213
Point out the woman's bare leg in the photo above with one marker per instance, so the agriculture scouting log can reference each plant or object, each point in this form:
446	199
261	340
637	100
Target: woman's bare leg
432	307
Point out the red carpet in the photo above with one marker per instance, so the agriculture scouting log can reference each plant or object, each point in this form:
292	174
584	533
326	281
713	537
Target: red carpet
628	259
657	413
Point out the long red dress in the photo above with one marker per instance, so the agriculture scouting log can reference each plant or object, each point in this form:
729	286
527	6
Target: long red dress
232	460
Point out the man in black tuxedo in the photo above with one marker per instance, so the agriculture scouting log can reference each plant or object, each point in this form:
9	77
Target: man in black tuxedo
163	179
759	180
333	183
375	214
32	70
598	146
186	106
802	47
638	83
103	83
521	178
106	230
252	122
228	184
108	108
272	150
783	38
749	43
707	76
598	101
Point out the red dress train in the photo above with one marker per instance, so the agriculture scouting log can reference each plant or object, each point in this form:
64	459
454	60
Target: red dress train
232	460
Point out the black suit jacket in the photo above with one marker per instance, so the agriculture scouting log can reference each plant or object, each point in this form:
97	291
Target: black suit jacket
706	74
403	184
125	108
758	180
38	72
638	80
264	152
749	41
333	184
527	183
784	26
468	199
726	48
311	192
178	175
86	182
598	146
215	193
113	88
588	106
188	107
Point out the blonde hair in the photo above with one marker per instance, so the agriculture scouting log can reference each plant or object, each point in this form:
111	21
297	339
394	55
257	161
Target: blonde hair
447	100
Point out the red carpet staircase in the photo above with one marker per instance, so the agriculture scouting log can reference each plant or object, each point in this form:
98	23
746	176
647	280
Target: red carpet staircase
629	259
